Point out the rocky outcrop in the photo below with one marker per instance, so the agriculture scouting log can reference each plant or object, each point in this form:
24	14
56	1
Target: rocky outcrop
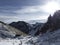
21	25
53	23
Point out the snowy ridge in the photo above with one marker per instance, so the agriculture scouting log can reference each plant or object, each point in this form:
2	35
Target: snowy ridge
49	38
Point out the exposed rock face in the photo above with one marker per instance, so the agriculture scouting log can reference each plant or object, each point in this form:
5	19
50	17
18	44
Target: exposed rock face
21	25
52	23
30	29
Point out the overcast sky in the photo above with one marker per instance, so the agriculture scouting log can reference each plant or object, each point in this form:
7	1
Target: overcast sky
17	10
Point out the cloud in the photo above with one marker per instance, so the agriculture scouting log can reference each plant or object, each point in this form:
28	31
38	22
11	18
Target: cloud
31	10
21	2
14	10
8	19
8	6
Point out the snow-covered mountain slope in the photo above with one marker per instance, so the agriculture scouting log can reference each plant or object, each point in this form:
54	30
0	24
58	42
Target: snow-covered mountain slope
49	38
7	31
4	33
35	28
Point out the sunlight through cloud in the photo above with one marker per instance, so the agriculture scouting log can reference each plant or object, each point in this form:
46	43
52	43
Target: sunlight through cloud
51	7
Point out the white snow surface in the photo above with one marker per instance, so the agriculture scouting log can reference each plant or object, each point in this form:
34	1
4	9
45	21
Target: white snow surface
49	38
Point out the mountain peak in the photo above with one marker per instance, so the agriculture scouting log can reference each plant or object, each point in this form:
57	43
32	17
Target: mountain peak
56	14
52	24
